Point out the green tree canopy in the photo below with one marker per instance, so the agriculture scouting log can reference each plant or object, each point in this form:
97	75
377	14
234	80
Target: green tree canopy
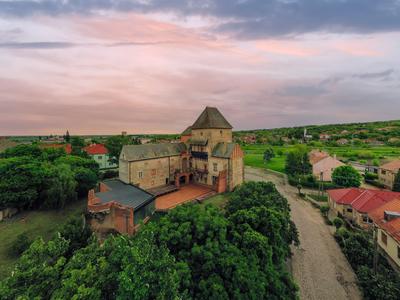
114	146
346	176
297	161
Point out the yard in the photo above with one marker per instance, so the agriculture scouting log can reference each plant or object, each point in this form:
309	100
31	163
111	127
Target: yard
217	200
34	223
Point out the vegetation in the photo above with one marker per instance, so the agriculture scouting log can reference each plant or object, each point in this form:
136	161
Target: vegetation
115	143
43	178
346	176
268	154
194	252
32	224
297	162
358	248
396	183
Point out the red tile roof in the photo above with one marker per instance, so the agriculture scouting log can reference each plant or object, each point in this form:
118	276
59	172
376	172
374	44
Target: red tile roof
392	166
392	227
362	200
95	149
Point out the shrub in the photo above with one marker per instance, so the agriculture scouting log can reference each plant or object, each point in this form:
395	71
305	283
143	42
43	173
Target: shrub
324	210
21	243
370	176
109	174
338	222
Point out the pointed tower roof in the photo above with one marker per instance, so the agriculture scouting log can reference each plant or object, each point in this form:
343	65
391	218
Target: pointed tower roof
211	118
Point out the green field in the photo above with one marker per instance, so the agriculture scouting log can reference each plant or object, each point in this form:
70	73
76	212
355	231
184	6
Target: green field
34	224
254	154
217	200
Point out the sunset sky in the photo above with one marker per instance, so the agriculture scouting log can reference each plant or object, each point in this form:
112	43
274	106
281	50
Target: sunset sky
151	66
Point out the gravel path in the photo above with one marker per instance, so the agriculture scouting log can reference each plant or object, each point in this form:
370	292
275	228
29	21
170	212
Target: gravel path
318	265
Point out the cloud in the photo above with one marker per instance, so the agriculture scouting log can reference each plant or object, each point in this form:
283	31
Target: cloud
37	45
251	19
375	75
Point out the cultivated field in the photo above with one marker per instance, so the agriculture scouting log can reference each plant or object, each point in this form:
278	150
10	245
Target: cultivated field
377	154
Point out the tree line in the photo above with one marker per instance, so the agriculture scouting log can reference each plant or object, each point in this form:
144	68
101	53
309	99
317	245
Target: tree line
193	252
32	177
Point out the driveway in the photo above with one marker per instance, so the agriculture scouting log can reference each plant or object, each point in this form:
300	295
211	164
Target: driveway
318	265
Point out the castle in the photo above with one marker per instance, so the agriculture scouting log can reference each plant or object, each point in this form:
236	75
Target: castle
205	155
161	176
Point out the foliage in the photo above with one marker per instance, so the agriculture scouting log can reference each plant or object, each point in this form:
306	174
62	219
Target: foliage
48	178
324	210
114	146
297	162
20	244
346	176
370	176
396	183
194	252
268	154
338	222
381	285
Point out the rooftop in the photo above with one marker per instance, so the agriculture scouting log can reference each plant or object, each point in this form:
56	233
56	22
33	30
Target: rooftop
211	118
125	194
94	149
392	226
392	166
149	151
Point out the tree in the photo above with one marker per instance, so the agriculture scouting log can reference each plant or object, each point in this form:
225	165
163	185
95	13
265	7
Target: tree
346	176
67	137
297	162
77	144
86	180
396	183
114	146
268	154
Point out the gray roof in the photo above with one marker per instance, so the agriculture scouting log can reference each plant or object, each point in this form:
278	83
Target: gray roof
187	131
200	142
125	194
149	151
211	118
223	150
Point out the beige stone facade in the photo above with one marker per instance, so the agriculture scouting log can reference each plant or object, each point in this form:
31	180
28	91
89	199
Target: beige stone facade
206	155
387	173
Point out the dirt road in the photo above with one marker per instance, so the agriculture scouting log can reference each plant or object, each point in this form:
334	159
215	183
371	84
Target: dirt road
319	267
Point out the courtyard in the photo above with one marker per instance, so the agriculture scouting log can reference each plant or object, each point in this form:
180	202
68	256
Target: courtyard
185	194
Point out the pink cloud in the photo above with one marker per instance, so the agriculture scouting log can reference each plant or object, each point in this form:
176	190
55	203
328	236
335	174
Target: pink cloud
290	48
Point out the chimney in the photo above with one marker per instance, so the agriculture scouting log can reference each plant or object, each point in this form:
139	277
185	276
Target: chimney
390	215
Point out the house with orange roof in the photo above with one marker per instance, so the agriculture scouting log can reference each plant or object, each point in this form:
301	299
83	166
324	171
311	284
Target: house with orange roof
323	164
66	147
356	204
100	154
387	173
386	220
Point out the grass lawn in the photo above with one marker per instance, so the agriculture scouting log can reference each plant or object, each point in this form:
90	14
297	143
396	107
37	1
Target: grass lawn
217	200
256	160
319	198
34	223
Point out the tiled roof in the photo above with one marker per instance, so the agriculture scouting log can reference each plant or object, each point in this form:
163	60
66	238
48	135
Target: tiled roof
223	150
95	149
316	155
211	118
362	200
149	151
392	166
125	194
393	226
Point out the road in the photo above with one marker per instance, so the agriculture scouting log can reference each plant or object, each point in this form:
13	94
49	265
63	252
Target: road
318	265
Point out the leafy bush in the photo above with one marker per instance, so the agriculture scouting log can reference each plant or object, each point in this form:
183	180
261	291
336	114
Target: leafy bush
324	210
370	176
21	243
338	222
346	176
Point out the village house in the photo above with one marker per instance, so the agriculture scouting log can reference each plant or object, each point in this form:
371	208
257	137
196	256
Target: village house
355	204
323	164
100	154
162	176
386	221
342	141
387	173
324	137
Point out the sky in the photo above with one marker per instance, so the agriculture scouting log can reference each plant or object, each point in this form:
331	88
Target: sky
151	66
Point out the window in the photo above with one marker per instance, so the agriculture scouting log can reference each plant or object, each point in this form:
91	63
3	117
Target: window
201	133
100	157
398	252
349	210
153	172
140	174
215	166
383	172
366	219
220	132
383	237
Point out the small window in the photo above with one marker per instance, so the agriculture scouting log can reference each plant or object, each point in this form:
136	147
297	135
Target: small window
349	209
220	132
383	172
201	133
100	157
153	172
383	237
215	166
140	174
398	252
366	219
